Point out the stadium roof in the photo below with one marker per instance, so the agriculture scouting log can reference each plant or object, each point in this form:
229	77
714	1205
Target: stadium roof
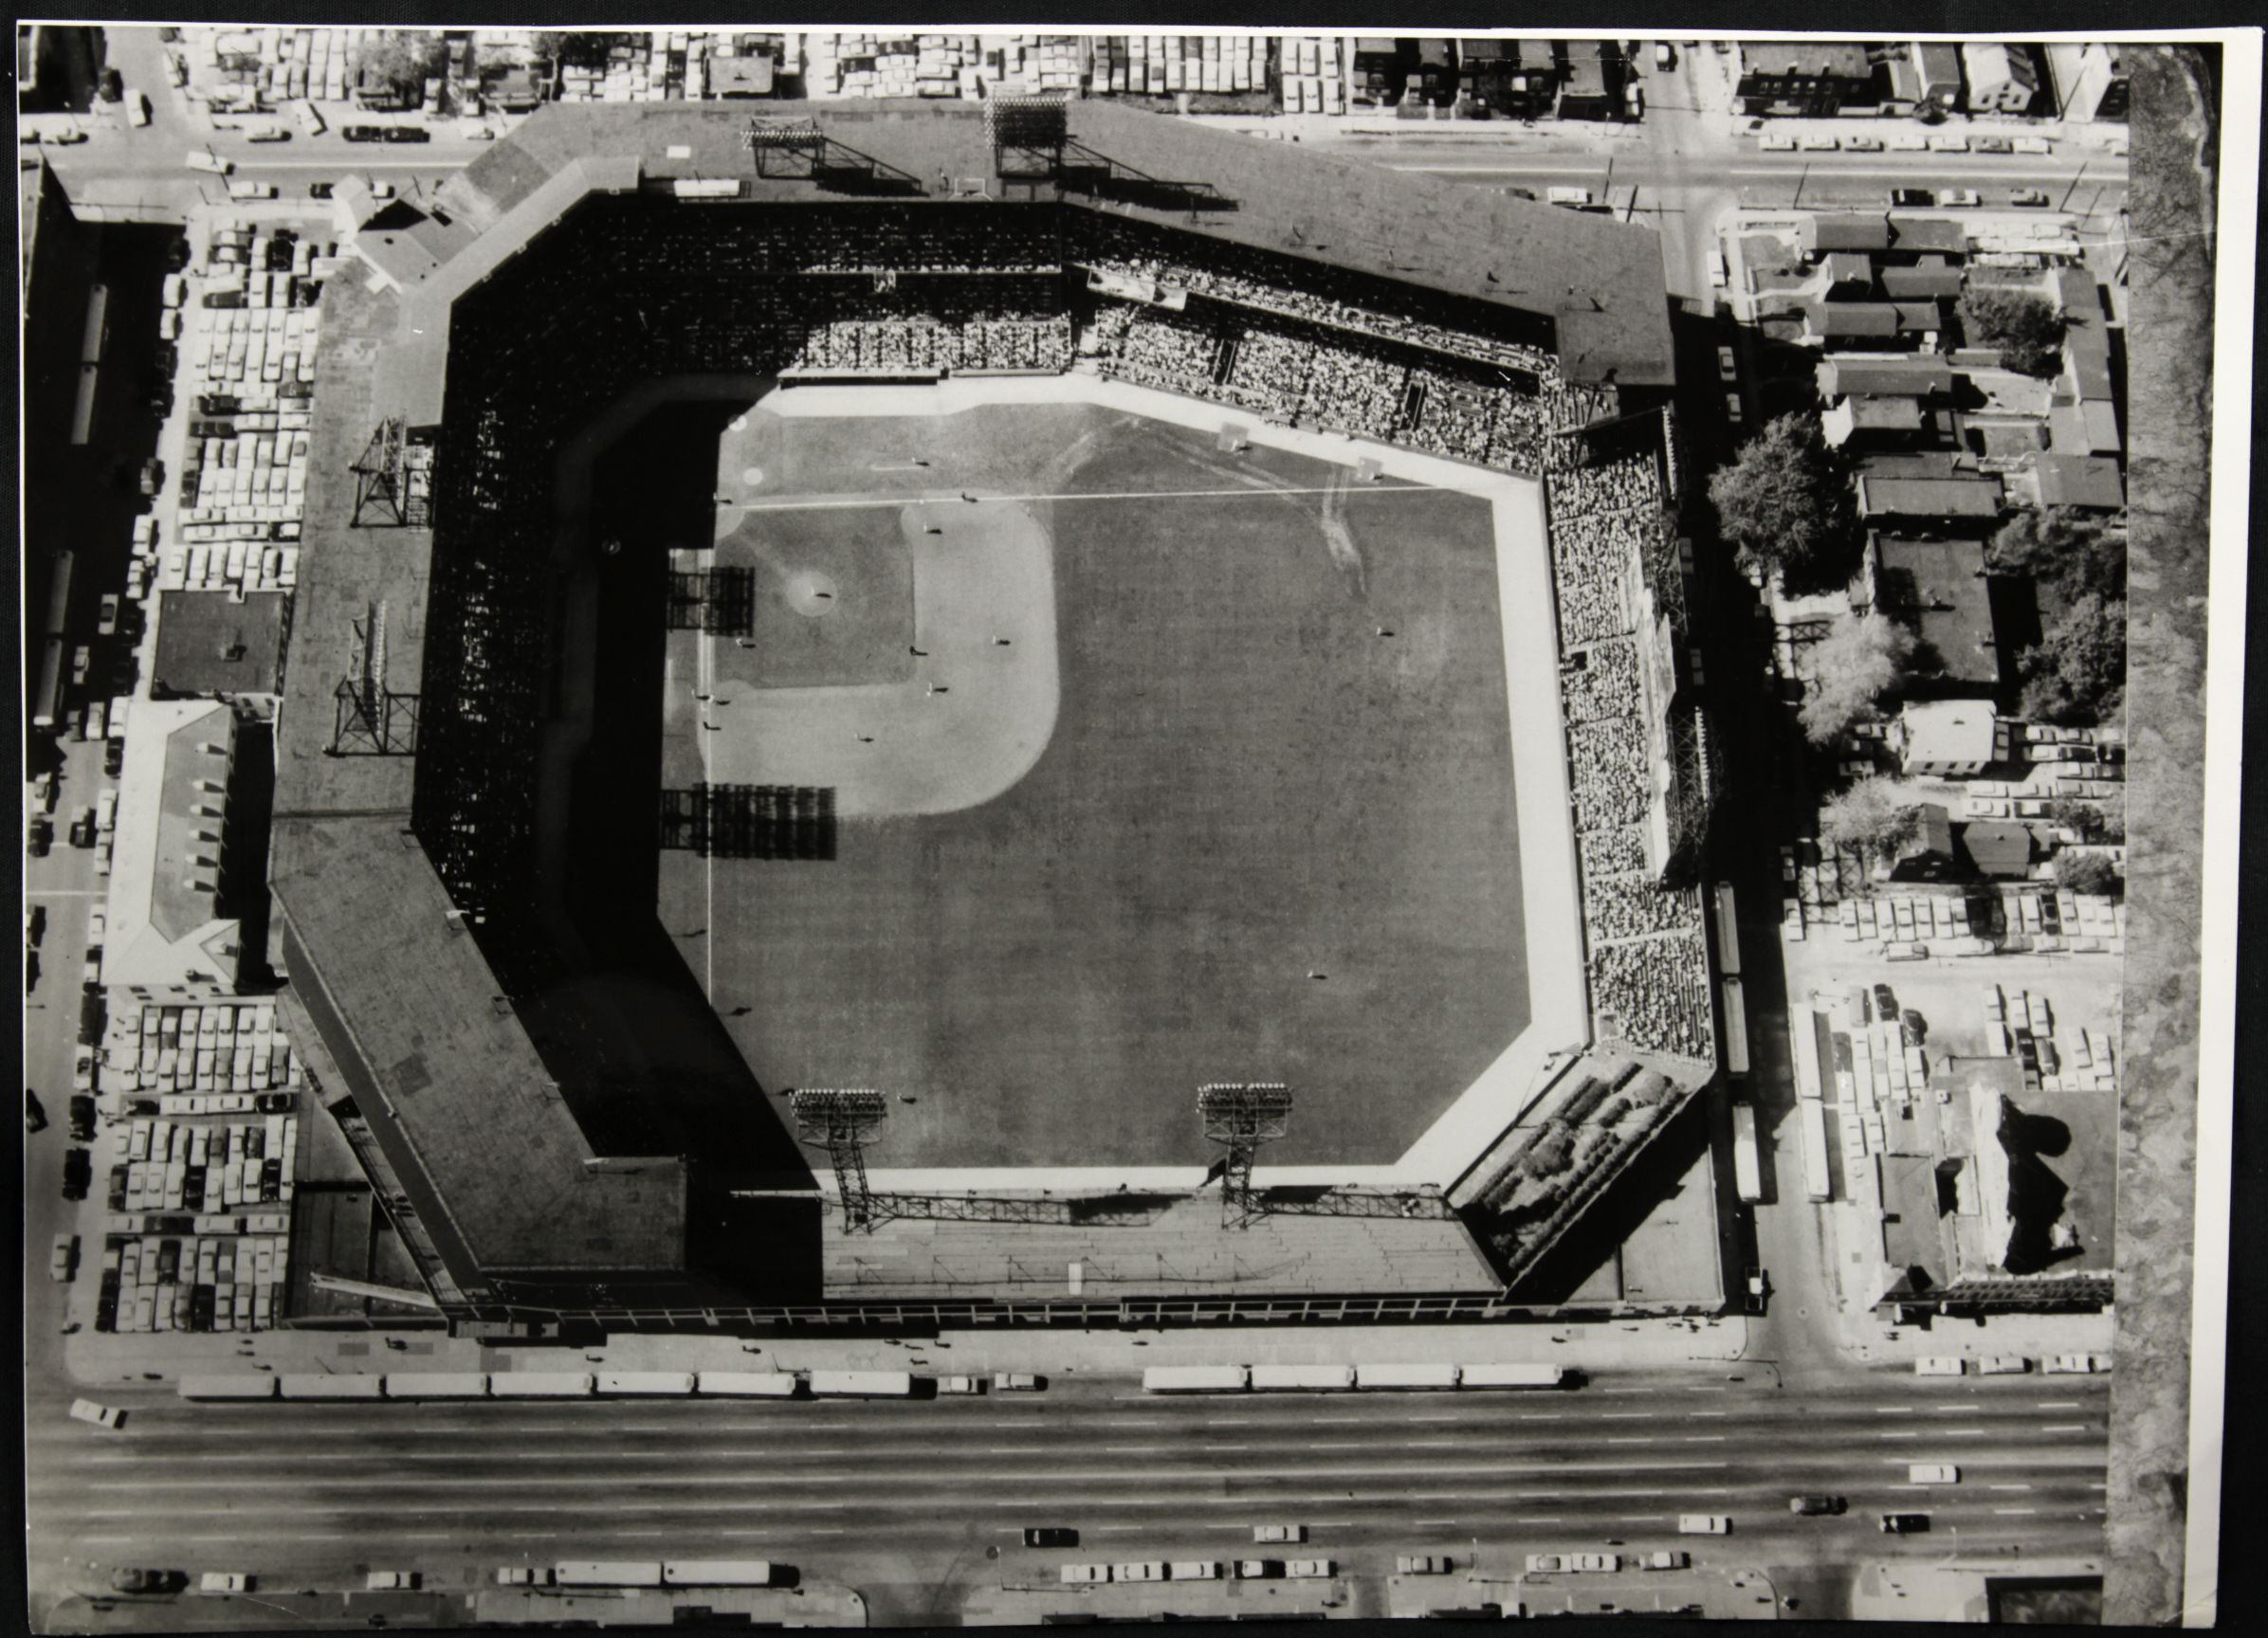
1600	280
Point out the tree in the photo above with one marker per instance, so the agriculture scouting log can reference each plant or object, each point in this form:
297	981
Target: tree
405	59
2092	822
1786	504
575	49
1877	815
2077	673
2086	873
1851	669
2026	329
2062	549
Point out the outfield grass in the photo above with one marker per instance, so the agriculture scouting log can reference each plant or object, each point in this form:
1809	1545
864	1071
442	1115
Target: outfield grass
1246	784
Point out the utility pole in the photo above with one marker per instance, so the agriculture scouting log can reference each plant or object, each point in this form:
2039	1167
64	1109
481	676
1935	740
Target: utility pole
2077	176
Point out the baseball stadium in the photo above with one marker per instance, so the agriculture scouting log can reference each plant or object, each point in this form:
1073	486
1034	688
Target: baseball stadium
1028	714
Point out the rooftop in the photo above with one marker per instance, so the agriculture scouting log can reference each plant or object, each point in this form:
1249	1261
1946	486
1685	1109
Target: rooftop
1948	731
1969	497
220	643
1884	377
1999	848
166	927
2088	481
1938	587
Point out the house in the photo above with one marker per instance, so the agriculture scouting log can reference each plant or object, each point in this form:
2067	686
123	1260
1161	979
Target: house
1998	848
2087	361
1930	279
1951	503
170	935
1867	420
1849	274
2089	483
1926	855
1819	234
1925	236
1909	378
514	89
1512	79
1937	72
2088	428
2088	82
1380	71
1949	738
2001	79
1871	325
1803	77
1591	88
219	644
1939	590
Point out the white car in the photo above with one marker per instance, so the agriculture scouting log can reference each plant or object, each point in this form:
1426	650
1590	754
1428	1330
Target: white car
99	1415
2003	1365
1015	1382
1668	1561
392	1580
1258	1569
1086	1575
1308	1568
960	1385
1545	1563
1597	1563
1938	1365
224	1581
1777	143
138	108
1270	1534
1964	198
1703	1525
2069	1365
521	1575
1149	1570
1819	144
1193	1570
1421	1564
1932	1473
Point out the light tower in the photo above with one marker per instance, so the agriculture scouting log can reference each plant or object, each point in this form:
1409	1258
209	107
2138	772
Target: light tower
841	1122
1242	1115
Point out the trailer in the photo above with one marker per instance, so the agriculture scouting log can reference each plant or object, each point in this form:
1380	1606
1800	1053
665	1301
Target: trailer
746	1384
1512	1376
437	1385
1736	1028
645	1384
1405	1378
1195	1380
1747	1169
236	1385
861	1384
717	1572
1302	1378
539	1384
1728	933
323	1385
1816	1176
609	1573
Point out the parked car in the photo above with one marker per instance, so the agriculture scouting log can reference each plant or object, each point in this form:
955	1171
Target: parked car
1150	1570
319	190
1886	1003
1993	145
1422	1564
1778	143
97	1415
1911	198
2069	1365
152	477
1258	1569
65	1260
1193	1570
521	1575
78	1173
1085	1575
148	1580
39	837
1273	1533
1308	1568
106	622
1545	1563
1966	198
1050	1536
959	1385
1017	1382
1813	1506
1596	1563
1864	144
364	133
1905	1523
2029	197
408	133
392	1580
2003	1365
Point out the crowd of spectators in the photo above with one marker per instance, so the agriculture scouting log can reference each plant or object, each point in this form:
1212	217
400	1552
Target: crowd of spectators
1602	681
1654	993
1612	850
1607	766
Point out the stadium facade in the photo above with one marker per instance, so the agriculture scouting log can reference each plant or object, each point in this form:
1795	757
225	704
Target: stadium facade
552	1152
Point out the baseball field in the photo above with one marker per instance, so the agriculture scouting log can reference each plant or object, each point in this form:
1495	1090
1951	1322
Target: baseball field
1151	761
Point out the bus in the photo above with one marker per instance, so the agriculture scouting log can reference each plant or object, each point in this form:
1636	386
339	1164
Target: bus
1302	1378
1194	1379
47	703
645	1384
748	1384
1747	1169
1736	1026
1728	933
861	1384
717	1572
1405	1378
609	1573
1814	1116
437	1385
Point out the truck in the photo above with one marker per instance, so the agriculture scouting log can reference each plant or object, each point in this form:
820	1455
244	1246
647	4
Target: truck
1736	1026
204	159
1747	1169
1405	1378
539	1385
746	1384
437	1385
1728	933
609	1573
1195	1380
861	1384
1512	1376
645	1384
717	1572
329	1385
1302	1378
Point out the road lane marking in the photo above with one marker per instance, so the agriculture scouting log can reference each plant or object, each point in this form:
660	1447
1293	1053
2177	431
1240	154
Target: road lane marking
2066	1428
1902	1433
1426	1523
1706	1438
2008	1487
2014	1512
1894	1410
2056	1405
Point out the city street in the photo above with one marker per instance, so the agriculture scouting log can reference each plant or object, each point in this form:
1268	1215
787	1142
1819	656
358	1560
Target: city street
901	1501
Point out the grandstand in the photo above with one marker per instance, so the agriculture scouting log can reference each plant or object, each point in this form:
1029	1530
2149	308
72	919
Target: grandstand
566	278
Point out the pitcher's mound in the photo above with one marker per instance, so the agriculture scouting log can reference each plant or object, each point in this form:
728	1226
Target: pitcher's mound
811	594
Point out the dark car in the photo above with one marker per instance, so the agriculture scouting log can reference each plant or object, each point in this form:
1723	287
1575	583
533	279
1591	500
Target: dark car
2030	197
1051	1536
200	1308
31	976
1905	1523
114	757
142	1106
319	190
78	1173
1917	1028
1886	1003
364	133
213	428
40	838
148	1580
218	403
82	1116
152	476
82	830
176	255
169	1261
276	1102
408	133
1812	1507
1911	198
111	86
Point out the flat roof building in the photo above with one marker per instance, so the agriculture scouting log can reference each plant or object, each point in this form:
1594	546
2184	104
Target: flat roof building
168	935
1938	589
225	645
1951	739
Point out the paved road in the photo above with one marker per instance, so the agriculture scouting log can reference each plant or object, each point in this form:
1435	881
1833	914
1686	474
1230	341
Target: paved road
888	1497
